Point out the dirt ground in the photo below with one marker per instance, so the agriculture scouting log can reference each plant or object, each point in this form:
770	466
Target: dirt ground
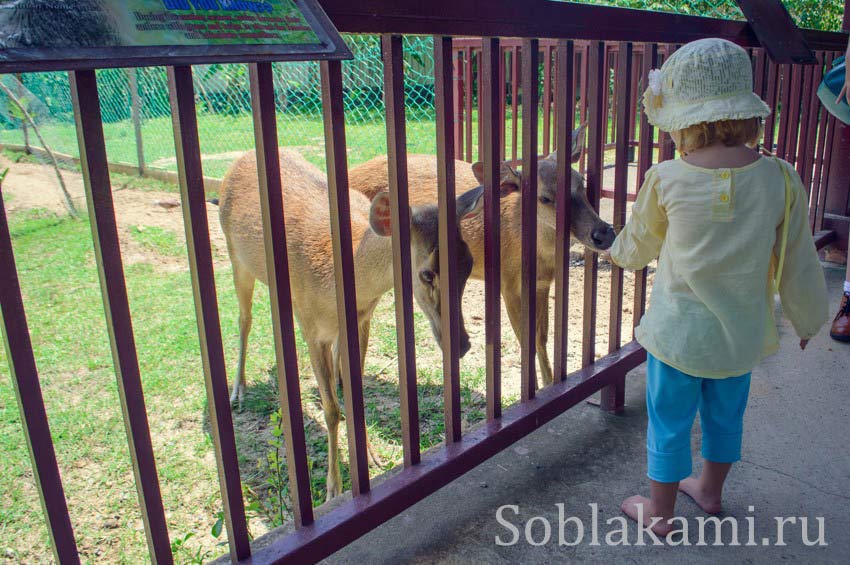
35	186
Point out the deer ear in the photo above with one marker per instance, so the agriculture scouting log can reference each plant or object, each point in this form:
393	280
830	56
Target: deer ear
510	180
478	171
379	214
470	203
578	142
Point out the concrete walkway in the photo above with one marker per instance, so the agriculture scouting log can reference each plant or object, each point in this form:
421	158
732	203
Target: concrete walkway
796	463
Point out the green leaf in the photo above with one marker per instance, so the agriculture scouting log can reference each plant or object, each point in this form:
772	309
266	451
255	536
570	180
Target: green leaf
217	527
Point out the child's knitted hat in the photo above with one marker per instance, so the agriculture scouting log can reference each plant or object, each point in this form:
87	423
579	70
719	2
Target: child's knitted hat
705	81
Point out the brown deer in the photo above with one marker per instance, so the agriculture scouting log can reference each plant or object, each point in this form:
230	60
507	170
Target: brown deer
586	226
308	236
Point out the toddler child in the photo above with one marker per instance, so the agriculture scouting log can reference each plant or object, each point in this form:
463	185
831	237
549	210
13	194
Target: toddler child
715	218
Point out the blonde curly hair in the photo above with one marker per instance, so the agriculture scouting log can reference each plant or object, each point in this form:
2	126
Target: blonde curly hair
728	132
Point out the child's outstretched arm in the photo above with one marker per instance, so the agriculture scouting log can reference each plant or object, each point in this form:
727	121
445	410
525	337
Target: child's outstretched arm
802	287
640	240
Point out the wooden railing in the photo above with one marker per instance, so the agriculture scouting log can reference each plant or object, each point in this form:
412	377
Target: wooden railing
803	133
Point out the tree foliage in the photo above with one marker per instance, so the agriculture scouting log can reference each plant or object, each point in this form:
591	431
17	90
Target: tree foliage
815	14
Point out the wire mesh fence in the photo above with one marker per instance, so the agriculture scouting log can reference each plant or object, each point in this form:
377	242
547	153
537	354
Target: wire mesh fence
136	110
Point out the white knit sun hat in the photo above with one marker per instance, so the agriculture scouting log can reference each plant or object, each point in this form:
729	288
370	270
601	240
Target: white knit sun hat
705	81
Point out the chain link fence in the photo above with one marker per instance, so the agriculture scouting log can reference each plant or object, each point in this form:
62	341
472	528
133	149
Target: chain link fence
137	100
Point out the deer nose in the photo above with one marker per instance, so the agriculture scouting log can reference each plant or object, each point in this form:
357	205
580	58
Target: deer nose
603	238
464	344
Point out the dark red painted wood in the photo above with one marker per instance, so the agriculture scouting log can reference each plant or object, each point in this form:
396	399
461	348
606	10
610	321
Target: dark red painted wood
503	94
771	100
400	220
826	171
793	129
543	18
783	107
33	415
645	158
277	266
565	107
467	99
547	97
349	341
776	31
613	396
439	467
86	103
457	90
528	308
449	296
492	89
597	88
807	101
820	156
191	177
514	102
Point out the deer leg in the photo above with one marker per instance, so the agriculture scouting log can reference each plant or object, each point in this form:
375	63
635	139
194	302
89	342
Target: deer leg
542	335
370	451
322	362
364	327
244	282
513	304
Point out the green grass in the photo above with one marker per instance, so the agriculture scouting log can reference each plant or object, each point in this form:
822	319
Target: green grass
62	295
222	137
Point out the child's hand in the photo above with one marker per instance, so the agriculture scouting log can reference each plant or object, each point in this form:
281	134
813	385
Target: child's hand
804	343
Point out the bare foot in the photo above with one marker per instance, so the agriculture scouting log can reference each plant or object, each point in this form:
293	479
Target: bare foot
630	507
693	488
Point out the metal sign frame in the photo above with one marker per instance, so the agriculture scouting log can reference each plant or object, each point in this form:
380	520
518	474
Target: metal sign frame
330	47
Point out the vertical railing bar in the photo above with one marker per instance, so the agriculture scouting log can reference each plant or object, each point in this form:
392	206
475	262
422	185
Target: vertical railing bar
820	155
606	101
547	99
458	90
667	148
784	108
808	130
613	395
447	220
514	101
392	51
621	180
503	94
565	107
553	53
528	307
479	74
33	415
93	162
191	180
582	78
634	109
346	299
277	267
597	88
758	72
492	88
467	99
645	157
793	128
770	121
825	171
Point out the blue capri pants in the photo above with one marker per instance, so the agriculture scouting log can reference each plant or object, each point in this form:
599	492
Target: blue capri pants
672	401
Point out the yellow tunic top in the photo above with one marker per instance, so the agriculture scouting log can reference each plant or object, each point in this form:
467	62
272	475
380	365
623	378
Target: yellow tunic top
717	233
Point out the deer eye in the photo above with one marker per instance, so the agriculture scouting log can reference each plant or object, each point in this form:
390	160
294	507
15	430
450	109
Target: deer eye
545	200
426	276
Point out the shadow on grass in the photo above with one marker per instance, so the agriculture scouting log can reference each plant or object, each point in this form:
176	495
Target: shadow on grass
265	481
